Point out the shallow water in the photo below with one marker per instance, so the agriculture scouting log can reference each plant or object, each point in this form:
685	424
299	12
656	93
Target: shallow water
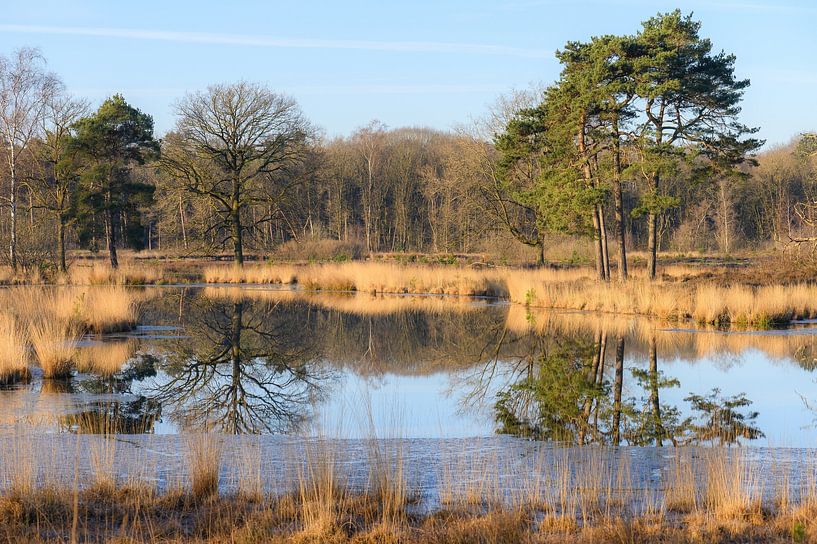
280	362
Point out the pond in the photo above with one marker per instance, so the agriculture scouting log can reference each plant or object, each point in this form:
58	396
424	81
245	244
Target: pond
282	362
450	389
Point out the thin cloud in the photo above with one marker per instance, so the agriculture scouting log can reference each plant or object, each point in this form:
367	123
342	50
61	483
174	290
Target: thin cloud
318	90
431	88
277	42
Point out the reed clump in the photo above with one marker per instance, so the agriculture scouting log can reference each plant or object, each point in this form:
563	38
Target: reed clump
104	358
127	273
109	309
13	350
55	344
366	277
204	459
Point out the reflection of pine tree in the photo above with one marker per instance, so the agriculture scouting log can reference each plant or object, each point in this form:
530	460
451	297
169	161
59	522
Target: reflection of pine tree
721	419
550	403
644	424
134	414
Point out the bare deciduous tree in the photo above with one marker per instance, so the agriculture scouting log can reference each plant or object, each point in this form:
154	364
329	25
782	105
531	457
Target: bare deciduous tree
56	172
231	144
25	88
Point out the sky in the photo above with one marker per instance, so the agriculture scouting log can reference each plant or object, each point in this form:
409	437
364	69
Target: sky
411	63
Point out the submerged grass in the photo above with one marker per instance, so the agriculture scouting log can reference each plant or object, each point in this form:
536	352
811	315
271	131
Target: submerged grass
577	495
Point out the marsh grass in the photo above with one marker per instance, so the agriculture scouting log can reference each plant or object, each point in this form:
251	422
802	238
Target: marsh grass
128	273
13	351
105	358
681	487
321	494
671	298
55	345
589	497
102	455
373	277
51	321
732	486
204	459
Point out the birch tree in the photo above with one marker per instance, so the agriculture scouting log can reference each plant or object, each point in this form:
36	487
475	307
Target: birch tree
25	88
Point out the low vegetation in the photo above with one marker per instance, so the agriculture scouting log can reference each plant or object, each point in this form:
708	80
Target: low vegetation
125	274
587	495
55	345
685	293
104	358
13	352
48	322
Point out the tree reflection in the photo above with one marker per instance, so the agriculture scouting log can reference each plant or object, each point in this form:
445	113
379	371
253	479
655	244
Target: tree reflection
555	399
566	395
245	368
114	408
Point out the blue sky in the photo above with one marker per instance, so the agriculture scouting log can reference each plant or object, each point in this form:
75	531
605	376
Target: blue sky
419	63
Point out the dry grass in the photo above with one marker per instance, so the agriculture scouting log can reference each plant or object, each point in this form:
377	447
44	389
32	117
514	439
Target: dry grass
366	277
204	457
584	495
55	345
105	358
126	274
13	350
706	304
51	320
672	298
109	309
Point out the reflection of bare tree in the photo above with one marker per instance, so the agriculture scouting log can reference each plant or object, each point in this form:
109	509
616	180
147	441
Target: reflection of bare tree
244	369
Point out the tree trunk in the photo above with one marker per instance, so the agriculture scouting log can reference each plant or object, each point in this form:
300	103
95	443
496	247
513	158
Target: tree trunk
652	244
618	203
617	387
235	224
588	179
112	239
605	256
61	244
652	219
597	244
181	218
13	212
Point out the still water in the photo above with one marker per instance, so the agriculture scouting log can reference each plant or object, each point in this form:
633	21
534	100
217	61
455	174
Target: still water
251	360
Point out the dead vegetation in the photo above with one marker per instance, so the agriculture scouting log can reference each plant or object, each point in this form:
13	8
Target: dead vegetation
45	324
573	495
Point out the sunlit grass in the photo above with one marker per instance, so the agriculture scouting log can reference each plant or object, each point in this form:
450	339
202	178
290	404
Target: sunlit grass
55	346
13	350
109	309
127	274
574	289
106	358
573	495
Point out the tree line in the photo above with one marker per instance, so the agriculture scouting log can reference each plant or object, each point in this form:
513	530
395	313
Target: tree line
638	143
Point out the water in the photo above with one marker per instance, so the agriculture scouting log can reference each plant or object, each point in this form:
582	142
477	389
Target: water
290	364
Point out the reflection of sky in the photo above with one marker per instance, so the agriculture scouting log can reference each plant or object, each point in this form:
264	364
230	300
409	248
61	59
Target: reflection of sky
439	404
401	406
774	387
